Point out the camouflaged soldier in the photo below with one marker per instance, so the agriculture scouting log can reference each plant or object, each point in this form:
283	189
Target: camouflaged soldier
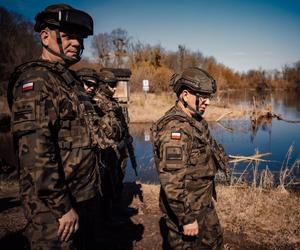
114	158
186	165
90	80
110	159
57	130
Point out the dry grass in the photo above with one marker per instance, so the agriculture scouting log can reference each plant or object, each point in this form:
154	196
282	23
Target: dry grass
263	217
268	219
150	107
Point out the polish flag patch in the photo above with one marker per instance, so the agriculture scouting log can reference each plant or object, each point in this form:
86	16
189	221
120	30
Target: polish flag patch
27	86
175	135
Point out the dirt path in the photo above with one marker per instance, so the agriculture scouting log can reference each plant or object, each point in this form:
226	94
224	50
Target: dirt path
245	225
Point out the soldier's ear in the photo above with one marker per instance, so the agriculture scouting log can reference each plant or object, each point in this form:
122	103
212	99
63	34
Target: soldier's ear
185	95
45	36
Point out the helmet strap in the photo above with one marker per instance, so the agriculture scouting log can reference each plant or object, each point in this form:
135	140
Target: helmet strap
59	42
196	111
197	102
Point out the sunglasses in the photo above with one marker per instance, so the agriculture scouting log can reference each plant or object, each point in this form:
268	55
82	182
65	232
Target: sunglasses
91	83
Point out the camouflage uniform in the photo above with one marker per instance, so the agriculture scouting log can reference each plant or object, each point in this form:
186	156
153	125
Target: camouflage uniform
114	158
111	159
186	169
51	123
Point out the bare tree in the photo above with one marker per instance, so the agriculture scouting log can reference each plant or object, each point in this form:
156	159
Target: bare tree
181	55
102	44
120	40
111	47
135	53
18	42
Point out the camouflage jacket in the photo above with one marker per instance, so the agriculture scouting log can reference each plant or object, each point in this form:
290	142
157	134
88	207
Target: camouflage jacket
52	123
111	113
183	157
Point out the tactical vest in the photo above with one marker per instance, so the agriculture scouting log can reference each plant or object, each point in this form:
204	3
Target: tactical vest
108	106
201	158
74	132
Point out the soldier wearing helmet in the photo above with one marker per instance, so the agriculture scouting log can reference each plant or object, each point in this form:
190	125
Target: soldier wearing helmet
114	158
186	164
90	80
56	130
62	30
101	87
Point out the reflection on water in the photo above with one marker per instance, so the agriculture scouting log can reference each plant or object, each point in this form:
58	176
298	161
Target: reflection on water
274	136
285	103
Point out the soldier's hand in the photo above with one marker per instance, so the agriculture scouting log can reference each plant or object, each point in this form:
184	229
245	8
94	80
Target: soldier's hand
191	229
68	224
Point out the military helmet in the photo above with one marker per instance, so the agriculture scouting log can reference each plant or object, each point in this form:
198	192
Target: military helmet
88	76
107	77
195	79
65	17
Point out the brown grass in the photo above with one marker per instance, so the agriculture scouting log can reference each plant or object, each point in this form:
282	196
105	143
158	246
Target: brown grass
267	219
150	107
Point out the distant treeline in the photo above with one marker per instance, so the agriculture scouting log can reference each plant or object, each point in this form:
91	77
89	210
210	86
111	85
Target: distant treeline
19	44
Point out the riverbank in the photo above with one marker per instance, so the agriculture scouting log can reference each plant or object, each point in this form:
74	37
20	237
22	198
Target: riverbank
147	108
251	218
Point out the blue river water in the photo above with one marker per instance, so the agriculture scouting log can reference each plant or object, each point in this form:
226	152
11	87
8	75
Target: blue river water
275	137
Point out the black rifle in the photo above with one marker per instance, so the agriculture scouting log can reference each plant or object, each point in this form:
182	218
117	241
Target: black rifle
128	140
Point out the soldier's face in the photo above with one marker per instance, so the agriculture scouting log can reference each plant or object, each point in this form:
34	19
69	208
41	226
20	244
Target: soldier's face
203	103
190	98
71	44
89	89
89	85
112	89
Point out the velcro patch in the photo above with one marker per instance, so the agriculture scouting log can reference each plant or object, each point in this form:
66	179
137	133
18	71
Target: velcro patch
27	86
173	153
175	135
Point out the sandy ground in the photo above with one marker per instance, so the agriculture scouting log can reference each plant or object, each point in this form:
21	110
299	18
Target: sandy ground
251	219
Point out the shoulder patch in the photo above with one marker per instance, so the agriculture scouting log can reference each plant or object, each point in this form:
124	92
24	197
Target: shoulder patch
27	86
173	153
175	135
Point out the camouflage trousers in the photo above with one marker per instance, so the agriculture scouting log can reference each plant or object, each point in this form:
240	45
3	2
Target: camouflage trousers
41	231
112	177
210	235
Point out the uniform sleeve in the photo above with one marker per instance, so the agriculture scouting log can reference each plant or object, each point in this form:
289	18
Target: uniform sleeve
34	118
174	147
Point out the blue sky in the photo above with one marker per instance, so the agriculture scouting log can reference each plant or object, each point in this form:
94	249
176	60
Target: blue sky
242	35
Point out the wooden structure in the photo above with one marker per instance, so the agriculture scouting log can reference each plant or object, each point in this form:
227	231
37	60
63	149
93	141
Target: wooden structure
123	87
